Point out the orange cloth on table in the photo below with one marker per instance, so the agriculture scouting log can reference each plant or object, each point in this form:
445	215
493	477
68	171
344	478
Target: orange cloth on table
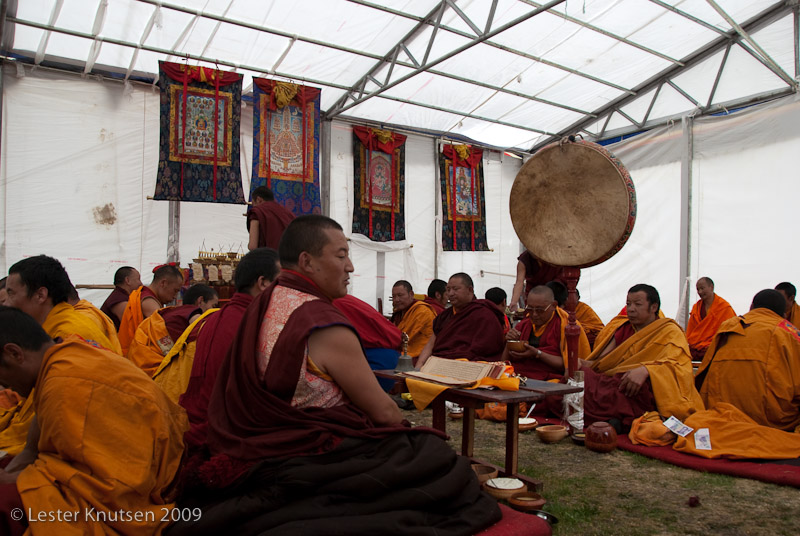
734	435
588	319
150	344
173	374
417	323
133	316
794	314
662	348
423	392
110	441
700	331
102	321
649	430
754	364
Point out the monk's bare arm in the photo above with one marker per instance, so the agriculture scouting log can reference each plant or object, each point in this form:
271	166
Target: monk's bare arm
426	352
253	242
149	306
29	453
119	309
518	286
337	352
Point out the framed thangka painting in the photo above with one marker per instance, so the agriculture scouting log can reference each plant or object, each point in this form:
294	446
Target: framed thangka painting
379	184
286	144
199	146
463	206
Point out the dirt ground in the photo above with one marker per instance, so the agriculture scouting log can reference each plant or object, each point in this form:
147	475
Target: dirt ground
622	493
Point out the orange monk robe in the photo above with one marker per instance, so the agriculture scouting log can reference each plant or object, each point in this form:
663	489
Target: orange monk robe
110	441
732	434
794	314
103	322
588	320
700	331
173	374
9	399
662	348
133	316
754	364
417	323
150	344
14	424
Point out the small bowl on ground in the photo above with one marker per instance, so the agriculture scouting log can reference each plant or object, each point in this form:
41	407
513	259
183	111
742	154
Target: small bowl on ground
551	433
526	501
578	438
527	423
484	472
503	488
516	346
547	516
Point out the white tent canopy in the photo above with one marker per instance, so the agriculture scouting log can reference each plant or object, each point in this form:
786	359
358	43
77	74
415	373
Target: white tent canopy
80	126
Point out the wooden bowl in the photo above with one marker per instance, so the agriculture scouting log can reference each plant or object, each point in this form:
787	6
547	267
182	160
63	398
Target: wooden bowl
484	472
503	488
526	501
527	424
516	346
551	433
578	438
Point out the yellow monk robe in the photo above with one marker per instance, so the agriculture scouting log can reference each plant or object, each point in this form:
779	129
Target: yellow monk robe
662	348
417	322
110	440
132	317
754	364
794	314
62	321
175	369
590	322
150	344
733	434
700	331
105	324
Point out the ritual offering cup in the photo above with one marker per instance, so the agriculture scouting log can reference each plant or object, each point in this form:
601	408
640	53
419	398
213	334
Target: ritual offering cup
551	433
516	346
601	437
526	501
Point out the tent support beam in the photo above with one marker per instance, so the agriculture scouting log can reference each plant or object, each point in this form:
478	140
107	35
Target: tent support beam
686	210
174	232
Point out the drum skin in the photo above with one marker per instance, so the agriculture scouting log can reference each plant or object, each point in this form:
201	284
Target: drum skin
573	204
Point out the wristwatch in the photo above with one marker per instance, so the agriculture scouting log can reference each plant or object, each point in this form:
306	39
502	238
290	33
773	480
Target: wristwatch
538	354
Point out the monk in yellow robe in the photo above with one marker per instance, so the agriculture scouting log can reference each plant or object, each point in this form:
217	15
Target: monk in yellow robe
146	300
754	364
707	315
89	459
589	321
97	316
157	333
412	317
792	313
639	363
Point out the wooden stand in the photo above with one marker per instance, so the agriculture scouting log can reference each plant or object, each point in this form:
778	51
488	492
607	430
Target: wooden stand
572	330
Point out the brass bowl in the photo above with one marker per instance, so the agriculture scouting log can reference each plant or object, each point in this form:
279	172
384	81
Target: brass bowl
551	433
516	346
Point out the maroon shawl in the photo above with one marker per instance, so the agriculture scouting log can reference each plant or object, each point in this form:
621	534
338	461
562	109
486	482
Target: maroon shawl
177	318
250	419
474	333
272	219
549	342
373	329
433	302
118	295
538	272
213	344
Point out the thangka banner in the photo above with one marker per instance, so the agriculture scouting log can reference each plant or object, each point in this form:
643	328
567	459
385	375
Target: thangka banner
379	187
199	149
286	144
463	206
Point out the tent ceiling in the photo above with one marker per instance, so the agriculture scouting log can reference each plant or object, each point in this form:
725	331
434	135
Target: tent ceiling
507	73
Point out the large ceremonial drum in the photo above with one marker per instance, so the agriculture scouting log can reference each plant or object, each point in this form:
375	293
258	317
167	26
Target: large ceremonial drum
573	204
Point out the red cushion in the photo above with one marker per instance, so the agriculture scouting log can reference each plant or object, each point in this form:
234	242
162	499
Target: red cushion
516	523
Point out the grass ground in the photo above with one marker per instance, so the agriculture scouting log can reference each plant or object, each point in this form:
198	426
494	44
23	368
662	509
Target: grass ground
621	493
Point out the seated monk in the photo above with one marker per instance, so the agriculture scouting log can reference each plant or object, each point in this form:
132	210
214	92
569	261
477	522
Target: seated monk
470	329
126	280
705	318
301	437
266	220
542	331
157	333
436	296
97	316
110	440
412	317
146	300
3	293
590	322
498	297
754	364
639	363
254	273
789	292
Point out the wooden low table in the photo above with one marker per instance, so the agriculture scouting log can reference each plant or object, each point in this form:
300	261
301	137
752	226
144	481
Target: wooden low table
472	399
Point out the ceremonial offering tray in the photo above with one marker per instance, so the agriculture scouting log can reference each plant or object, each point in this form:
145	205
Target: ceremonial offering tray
503	488
601	437
551	433
527	423
516	346
526	501
484	472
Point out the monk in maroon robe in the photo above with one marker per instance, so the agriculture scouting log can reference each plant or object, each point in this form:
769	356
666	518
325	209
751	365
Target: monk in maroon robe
267	220
471	329
532	272
254	273
436	295
126	280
